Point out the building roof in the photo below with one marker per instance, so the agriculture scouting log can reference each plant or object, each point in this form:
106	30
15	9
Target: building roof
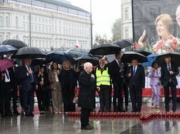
63	4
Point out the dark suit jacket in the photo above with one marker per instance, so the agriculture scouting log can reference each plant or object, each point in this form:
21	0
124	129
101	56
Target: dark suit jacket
25	81
138	80
114	72
86	92
165	76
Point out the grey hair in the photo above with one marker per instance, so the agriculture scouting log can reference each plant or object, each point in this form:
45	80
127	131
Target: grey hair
87	64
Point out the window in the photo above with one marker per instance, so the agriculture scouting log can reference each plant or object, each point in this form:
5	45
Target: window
1	21
126	32
126	14
17	25
7	21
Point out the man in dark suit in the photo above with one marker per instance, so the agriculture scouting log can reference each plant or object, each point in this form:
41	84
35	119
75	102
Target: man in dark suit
116	72
27	85
86	95
6	91
168	78
136	77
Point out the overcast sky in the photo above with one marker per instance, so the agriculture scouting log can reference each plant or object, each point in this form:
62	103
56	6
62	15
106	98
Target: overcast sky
105	12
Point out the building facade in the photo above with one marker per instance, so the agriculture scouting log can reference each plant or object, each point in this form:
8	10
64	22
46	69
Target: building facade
126	19
47	24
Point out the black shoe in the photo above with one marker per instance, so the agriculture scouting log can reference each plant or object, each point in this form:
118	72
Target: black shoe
126	109
30	114
167	110
89	127
174	111
133	111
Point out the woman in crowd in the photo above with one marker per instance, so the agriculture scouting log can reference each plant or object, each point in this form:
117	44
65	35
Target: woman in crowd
55	86
69	82
41	92
154	76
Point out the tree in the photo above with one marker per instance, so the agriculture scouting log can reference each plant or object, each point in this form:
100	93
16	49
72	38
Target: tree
116	30
102	39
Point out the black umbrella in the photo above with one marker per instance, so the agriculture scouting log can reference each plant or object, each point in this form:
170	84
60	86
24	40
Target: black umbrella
105	49
38	61
145	53
15	43
77	52
7	49
123	43
59	57
31	52
87	58
128	56
174	56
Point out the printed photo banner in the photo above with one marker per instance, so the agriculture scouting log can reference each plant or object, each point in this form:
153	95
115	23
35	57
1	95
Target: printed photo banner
156	25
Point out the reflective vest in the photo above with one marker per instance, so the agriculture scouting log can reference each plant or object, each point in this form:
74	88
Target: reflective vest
102	78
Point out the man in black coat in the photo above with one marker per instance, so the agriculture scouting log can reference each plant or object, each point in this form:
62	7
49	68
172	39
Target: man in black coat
28	83
86	95
136	77
116	72
168	79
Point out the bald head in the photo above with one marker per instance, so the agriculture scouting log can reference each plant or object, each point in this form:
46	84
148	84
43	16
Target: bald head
178	15
88	67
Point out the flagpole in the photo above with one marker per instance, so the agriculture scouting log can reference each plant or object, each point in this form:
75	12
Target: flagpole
91	23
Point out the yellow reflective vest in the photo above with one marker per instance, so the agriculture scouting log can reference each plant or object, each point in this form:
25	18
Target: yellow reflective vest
102	78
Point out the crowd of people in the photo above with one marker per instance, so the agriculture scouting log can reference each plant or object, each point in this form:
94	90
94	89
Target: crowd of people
55	86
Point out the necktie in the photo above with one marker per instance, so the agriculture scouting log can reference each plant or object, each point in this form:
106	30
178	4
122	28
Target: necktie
169	67
134	71
7	74
31	76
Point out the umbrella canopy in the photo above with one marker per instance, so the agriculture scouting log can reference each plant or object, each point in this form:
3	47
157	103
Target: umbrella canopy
128	56
123	43
31	52
151	58
145	53
105	49
5	64
174	56
38	61
15	43
59	57
7	49
77	52
88	58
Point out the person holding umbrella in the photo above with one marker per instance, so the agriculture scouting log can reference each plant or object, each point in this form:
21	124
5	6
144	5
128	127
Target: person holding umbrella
103	84
136	75
168	78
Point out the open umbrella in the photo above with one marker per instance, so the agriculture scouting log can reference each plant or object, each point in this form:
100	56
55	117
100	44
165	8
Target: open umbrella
123	43
59	57
15	43
88	58
77	52
38	61
145	53
151	58
31	52
7	49
5	64
129	55
174	56
105	49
